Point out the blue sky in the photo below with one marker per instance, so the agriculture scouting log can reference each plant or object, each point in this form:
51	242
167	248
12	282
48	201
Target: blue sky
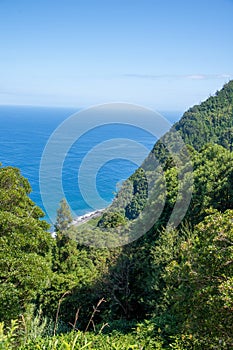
163	54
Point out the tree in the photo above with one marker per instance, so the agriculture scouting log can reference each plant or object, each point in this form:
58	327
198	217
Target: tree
111	219
199	284
25	246
64	217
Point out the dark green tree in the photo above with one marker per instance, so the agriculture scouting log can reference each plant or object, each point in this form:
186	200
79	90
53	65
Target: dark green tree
111	219
25	246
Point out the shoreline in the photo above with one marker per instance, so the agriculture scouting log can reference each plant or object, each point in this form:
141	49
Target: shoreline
86	217
82	219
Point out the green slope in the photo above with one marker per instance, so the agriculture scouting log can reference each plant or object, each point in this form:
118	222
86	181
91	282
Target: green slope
209	122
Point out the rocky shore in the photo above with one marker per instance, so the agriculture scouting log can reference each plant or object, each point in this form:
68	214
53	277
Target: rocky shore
86	217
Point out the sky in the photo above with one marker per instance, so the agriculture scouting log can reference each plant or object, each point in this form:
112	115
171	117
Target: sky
162	54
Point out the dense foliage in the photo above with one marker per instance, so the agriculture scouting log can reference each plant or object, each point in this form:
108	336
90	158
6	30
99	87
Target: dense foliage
25	246
210	122
170	289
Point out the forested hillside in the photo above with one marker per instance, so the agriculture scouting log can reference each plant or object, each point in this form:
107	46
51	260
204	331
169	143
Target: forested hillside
172	288
209	122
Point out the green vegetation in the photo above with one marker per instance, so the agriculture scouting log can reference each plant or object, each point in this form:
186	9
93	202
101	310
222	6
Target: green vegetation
210	122
25	246
110	220
170	289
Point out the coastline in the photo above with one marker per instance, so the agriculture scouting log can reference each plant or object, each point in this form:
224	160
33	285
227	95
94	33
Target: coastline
79	220
86	217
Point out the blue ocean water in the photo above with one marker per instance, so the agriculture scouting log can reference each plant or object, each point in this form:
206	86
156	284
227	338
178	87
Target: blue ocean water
25	131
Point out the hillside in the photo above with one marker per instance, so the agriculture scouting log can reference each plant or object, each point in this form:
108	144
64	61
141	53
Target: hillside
209	122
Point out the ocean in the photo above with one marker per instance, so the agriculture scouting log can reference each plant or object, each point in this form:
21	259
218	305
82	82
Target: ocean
24	134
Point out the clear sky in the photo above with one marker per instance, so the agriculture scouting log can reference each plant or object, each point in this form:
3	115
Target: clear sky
164	54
